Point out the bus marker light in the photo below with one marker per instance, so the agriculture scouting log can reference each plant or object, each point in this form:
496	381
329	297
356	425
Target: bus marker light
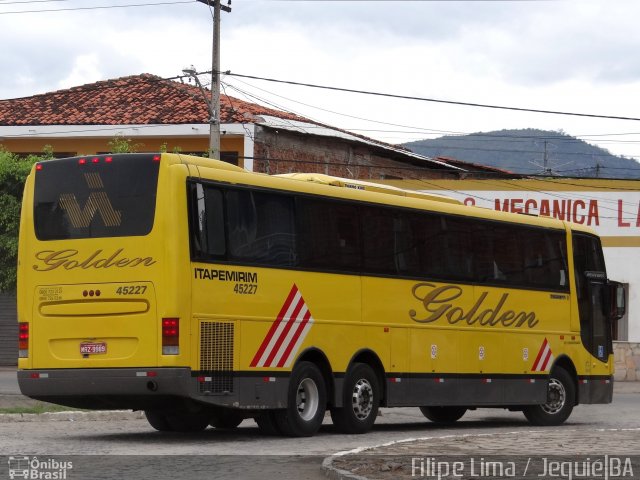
156	158
95	160
82	161
38	166
108	160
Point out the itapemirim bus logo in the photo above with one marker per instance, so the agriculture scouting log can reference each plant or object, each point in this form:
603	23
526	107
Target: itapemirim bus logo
21	466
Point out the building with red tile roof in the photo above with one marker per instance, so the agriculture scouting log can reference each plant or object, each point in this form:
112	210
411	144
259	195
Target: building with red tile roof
156	113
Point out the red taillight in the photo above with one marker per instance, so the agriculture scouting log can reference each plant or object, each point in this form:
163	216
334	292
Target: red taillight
82	161
170	336
23	340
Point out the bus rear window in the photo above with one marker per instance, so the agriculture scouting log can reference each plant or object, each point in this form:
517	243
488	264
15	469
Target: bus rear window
95	196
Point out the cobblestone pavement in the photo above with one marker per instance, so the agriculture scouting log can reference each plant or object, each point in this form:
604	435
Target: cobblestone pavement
403	459
406	458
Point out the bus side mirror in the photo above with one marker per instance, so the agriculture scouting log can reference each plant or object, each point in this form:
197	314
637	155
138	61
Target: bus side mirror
618	300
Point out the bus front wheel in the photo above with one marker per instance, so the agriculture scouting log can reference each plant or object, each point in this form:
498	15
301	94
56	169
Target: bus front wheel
561	397
361	399
306	402
443	414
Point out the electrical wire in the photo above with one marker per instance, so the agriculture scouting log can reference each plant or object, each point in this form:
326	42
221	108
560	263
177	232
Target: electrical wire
435	100
100	7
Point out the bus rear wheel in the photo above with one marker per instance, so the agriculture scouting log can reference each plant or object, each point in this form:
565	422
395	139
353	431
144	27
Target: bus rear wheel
188	422
267	423
561	397
306	402
360	402
226	419
158	420
443	414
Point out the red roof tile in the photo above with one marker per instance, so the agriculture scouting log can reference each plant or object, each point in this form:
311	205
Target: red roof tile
138	99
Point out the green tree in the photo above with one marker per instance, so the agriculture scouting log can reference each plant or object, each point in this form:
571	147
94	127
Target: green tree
13	173
119	144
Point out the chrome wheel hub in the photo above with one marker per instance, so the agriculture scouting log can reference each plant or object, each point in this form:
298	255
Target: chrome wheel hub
307	399
362	399
556	397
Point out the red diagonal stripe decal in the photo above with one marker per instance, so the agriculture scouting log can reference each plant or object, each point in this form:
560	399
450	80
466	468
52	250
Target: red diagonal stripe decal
274	326
294	340
283	334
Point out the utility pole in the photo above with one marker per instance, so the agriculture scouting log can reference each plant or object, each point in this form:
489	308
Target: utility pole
214	105
547	170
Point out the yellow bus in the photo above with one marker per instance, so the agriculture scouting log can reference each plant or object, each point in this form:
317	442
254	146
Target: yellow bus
204	294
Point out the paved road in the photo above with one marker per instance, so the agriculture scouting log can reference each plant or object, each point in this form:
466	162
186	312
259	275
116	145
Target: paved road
125	443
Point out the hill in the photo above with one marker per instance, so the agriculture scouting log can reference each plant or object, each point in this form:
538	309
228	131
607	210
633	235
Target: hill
523	151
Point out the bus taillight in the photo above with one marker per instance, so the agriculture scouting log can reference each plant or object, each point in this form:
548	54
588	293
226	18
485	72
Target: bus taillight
23	340
170	336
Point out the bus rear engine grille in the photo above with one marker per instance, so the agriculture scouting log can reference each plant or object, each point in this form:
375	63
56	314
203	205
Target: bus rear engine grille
216	356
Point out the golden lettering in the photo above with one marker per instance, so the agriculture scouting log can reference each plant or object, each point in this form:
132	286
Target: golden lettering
438	303
69	260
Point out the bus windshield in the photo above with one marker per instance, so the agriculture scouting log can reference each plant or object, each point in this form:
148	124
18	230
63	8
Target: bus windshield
96	196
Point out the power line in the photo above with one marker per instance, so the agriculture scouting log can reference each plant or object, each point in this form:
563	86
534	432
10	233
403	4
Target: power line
99	7
435	100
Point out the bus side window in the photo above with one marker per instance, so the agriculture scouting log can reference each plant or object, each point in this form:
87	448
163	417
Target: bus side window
329	235
207	236
261	228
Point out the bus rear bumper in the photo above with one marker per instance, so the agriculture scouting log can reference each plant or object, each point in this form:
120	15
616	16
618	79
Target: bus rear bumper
149	388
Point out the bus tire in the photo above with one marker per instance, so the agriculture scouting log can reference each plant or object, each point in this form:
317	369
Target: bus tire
267	423
188	422
226	419
443	414
360	401
561	397
306	402
158	420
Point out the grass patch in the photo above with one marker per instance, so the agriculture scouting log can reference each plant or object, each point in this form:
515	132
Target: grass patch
38	409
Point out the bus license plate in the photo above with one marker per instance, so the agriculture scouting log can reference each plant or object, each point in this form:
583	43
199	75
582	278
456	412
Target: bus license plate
93	348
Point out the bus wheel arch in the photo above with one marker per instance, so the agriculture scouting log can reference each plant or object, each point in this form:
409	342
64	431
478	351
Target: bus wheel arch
561	398
564	362
317	357
361	394
306	402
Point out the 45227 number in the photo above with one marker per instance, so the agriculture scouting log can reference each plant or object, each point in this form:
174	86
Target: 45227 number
131	290
245	288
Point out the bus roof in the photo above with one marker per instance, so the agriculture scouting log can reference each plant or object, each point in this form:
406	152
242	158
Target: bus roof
367	186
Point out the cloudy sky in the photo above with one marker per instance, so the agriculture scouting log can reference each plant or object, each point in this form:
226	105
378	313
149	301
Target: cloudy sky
571	56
